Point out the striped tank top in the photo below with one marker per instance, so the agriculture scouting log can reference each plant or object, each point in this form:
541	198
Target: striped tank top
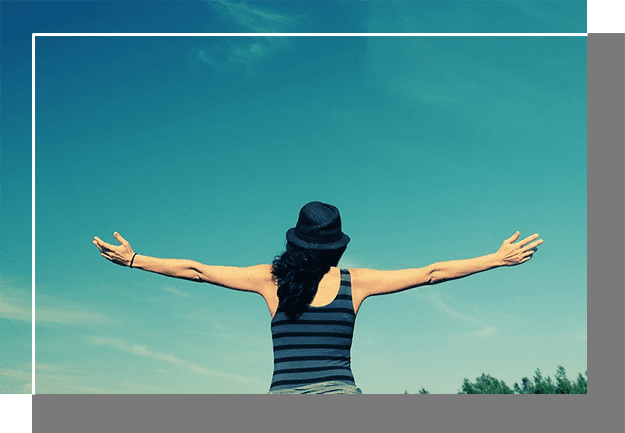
315	347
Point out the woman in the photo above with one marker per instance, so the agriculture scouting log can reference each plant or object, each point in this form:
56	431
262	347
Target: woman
313	304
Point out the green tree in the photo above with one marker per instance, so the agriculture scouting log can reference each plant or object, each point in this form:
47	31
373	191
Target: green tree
581	387
485	384
564	386
547	386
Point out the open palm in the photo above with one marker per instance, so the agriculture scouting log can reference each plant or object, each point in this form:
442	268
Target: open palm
120	254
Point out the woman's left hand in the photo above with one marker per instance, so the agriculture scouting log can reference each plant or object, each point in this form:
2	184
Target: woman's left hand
120	254
511	254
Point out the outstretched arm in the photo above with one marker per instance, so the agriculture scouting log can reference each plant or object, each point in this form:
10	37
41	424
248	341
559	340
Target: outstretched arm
509	254
124	255
254	278
370	282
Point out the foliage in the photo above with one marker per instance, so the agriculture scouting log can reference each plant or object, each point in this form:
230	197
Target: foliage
562	385
486	384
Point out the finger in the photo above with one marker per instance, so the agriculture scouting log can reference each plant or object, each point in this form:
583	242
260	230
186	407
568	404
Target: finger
104	246
532	245
98	242
525	260
528	239
514	237
120	239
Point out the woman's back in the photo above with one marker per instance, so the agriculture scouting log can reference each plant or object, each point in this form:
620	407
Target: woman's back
327	290
314	348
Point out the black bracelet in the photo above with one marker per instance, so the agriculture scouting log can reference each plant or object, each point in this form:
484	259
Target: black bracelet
133	259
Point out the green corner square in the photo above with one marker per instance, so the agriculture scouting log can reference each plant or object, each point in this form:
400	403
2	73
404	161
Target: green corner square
16	413
606	16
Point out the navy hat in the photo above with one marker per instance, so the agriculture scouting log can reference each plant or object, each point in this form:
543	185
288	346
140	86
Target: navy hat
318	228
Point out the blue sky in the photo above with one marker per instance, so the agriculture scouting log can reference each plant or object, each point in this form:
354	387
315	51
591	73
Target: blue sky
433	148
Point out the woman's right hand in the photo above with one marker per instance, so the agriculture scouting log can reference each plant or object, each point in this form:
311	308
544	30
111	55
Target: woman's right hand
512	254
120	254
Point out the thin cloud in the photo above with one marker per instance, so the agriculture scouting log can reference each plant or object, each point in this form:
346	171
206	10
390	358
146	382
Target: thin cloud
15	299
18	306
45	367
71	317
8	311
250	17
125	346
485	330
257	342
140	350
225	53
175	292
204	314
19	375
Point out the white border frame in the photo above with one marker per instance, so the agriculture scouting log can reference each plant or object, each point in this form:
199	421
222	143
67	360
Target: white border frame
34	35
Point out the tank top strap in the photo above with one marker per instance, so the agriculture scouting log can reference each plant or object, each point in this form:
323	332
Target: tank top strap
346	283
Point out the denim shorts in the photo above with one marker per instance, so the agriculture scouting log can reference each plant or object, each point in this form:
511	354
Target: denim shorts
329	387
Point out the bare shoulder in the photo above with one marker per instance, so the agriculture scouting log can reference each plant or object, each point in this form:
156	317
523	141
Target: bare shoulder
364	277
264	278
260	274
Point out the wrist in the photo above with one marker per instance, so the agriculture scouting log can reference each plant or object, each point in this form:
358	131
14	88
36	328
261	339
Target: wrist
132	261
497	260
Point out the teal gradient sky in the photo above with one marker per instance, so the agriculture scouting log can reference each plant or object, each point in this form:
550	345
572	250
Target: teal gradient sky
433	148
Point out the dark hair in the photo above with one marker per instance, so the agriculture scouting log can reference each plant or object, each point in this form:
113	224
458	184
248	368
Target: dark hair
298	272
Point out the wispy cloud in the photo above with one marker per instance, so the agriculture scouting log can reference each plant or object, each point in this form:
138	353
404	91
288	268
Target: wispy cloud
20	375
71	317
141	350
239	340
16	379
46	367
9	311
485	330
175	292
240	51
252	18
226	53
15	298
52	309
204	314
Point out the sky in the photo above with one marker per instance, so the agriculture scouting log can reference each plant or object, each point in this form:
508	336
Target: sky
205	148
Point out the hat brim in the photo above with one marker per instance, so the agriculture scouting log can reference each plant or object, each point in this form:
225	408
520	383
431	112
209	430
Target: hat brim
290	236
